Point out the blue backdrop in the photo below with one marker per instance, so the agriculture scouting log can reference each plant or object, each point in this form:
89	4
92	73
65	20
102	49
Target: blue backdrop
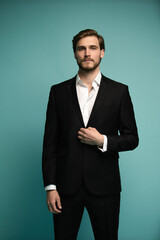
36	52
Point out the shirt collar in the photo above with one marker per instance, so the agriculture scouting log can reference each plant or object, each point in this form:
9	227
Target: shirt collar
96	81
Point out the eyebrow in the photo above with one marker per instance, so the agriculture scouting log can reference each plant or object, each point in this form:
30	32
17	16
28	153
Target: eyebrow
81	46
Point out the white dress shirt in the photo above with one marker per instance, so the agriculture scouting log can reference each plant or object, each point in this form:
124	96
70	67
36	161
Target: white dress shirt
86	101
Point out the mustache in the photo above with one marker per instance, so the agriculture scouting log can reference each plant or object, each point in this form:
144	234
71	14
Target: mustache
87	59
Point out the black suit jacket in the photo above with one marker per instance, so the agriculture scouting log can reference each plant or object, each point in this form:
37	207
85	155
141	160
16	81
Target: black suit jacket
66	161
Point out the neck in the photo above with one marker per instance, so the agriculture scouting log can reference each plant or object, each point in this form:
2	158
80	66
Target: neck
88	76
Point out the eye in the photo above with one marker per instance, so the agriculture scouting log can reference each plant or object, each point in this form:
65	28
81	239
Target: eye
81	48
93	47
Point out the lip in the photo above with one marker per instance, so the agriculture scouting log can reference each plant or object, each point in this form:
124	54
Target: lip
88	60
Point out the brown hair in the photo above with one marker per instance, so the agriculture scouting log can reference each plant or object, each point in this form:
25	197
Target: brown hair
86	33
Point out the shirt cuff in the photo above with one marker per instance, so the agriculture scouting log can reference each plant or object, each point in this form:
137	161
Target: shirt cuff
105	144
50	187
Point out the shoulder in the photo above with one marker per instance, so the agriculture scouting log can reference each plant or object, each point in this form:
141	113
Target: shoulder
115	88
63	85
113	83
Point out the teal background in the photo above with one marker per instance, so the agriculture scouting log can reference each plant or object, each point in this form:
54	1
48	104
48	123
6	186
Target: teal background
36	52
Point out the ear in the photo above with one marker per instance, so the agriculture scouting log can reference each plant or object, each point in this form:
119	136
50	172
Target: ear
102	53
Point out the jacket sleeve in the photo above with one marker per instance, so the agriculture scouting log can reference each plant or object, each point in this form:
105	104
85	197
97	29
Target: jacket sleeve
127	138
50	143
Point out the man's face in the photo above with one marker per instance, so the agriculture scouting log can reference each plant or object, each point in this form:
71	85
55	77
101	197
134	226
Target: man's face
88	53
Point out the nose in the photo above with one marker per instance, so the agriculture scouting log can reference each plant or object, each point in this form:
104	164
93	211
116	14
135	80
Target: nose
87	52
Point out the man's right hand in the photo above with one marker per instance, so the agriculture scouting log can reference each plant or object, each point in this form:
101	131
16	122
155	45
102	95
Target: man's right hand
53	201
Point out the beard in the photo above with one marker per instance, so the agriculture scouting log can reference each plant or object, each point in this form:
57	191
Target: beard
86	67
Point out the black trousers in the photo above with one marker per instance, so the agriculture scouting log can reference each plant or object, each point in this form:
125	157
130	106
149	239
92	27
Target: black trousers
103	212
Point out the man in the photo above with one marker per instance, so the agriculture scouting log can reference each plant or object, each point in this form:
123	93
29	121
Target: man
89	120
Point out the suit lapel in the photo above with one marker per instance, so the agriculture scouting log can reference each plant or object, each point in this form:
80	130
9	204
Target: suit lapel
74	99
103	92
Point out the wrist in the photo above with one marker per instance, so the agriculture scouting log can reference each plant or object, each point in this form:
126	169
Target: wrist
100	141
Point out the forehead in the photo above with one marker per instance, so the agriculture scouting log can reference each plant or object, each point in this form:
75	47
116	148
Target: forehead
87	41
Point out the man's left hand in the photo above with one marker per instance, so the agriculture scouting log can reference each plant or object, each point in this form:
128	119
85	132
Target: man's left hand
90	136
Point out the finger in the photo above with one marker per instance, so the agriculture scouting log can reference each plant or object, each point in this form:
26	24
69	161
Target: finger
81	137
49	207
80	133
83	130
82	141
86	131
55	209
52	207
59	203
83	133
